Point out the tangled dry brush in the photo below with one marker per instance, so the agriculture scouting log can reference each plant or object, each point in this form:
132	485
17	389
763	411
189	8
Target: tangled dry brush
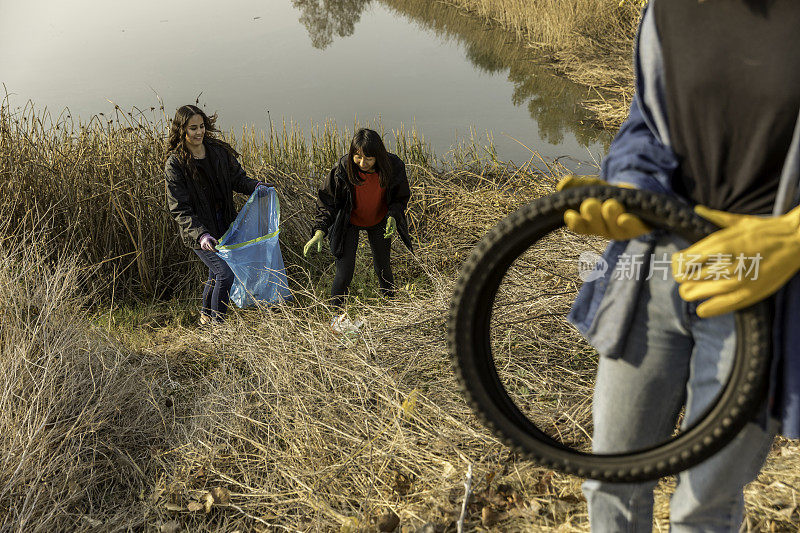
271	422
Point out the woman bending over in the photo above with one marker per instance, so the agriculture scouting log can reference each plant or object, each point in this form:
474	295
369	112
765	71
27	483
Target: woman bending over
366	190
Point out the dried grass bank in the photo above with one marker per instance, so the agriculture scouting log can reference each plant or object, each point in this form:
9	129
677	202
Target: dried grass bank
123	416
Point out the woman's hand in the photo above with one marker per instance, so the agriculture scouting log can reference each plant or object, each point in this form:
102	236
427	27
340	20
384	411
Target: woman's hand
391	228
747	260
607	219
207	242
315	240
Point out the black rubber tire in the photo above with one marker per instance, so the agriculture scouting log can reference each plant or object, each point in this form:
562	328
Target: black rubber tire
470	349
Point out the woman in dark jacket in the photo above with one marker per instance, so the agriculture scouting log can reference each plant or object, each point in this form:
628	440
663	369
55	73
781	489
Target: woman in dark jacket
202	172
366	190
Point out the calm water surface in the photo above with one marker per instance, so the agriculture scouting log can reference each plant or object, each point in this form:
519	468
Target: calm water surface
406	62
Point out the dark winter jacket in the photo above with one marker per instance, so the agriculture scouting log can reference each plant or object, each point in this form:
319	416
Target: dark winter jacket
335	202
188	201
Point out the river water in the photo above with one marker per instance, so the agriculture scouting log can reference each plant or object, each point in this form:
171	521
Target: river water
401	62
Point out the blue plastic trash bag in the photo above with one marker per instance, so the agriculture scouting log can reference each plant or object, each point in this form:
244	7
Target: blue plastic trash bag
251	249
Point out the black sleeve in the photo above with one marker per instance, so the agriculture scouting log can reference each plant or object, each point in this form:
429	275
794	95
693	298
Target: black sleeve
400	191
240	182
328	203
179	202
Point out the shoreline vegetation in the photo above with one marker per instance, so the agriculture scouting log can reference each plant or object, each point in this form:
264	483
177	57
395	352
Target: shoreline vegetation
119	414
588	41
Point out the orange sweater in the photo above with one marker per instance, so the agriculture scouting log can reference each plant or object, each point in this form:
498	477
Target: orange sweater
369	202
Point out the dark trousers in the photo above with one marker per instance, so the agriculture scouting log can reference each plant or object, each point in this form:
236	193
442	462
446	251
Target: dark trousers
217	288
345	265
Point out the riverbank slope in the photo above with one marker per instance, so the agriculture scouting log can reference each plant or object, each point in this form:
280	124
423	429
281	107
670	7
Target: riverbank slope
118	413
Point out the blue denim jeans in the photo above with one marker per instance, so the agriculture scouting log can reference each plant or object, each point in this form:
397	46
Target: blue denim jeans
670	356
216	289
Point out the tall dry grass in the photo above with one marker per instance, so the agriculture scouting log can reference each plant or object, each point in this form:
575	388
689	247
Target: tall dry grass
290	427
271	422
76	429
96	189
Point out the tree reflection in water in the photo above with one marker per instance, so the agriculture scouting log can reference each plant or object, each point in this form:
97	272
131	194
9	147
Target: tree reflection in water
325	18
552	101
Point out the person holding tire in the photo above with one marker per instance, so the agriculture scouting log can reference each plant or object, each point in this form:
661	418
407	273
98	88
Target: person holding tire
201	174
720	130
367	190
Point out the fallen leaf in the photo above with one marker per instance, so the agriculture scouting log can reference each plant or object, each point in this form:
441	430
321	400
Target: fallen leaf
208	502
410	404
194	506
544	485
488	516
170	527
527	511
388	522
222	496
173	507
448	469
350	525
560	507
788	451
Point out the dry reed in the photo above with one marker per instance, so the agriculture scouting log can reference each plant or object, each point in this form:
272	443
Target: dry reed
270	422
75	431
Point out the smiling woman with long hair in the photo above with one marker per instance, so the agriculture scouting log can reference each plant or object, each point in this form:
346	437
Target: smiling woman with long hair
201	173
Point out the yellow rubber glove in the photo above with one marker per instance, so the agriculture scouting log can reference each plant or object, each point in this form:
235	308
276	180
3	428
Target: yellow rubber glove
747	260
316	239
391	228
607	219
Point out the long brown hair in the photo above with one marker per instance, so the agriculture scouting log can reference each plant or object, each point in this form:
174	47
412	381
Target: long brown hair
176	141
369	143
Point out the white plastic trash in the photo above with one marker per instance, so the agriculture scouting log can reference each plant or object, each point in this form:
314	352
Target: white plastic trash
342	324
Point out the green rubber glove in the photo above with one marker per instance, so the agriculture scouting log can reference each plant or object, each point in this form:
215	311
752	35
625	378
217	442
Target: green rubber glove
316	239
607	219
391	228
747	260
